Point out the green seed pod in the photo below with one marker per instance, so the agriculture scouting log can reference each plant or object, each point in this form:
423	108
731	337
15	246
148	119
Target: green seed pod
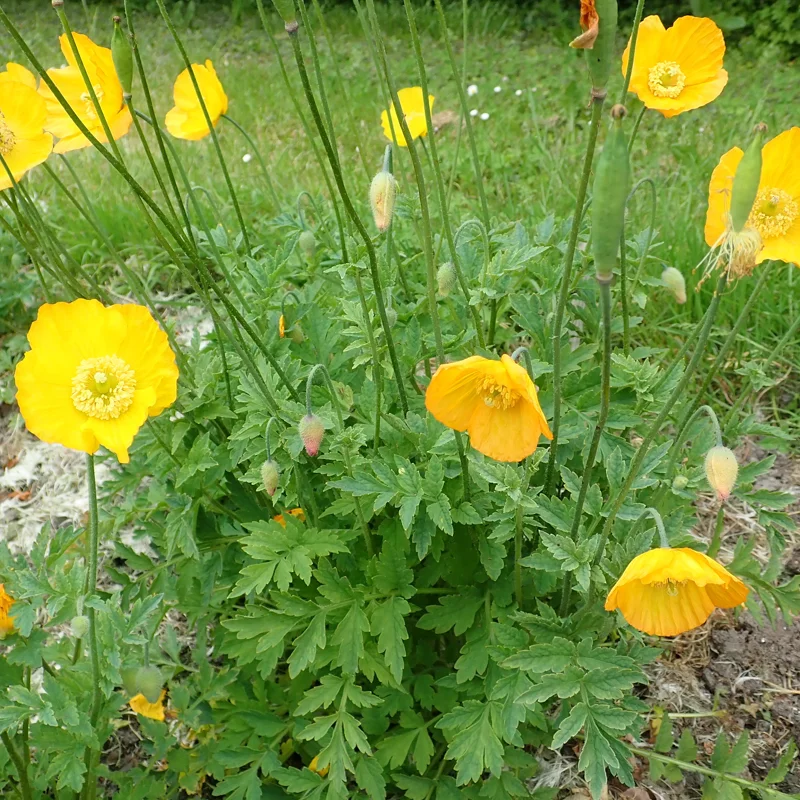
746	180
308	244
122	56
149	683
286	9
674	281
611	185
80	626
601	57
446	279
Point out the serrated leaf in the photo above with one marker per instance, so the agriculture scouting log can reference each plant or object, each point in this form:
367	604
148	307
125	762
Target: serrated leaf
389	625
349	638
610	684
306	645
474	745
456	612
369	777
570	726
539	658
564	684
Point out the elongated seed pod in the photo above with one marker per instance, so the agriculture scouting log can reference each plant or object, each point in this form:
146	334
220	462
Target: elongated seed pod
746	180
286	9
122	56
611	186
601	56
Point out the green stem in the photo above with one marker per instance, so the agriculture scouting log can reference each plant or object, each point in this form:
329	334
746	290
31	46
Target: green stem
211	128
719	526
91	781
653	208
352	213
261	162
20	766
632	51
637	122
602	417
622	494
320	369
598	100
623	291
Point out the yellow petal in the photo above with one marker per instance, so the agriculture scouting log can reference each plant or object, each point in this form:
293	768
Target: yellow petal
155	711
691	97
23	110
657	611
187	120
118	434
698	46
783	248
781	162
508	435
18	74
27	153
413	106
719	195
452	395
648	50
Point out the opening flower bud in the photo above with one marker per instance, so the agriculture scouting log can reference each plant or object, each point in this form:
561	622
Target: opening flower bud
382	198
79	626
314	767
446	278
308	244
149	683
721	471
282	326
270	476
674	281
311	429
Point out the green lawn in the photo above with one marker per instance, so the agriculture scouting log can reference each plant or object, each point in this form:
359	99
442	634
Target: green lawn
531	144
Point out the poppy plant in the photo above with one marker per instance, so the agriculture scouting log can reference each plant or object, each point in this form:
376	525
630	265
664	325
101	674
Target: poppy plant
677	69
23	113
94	374
776	211
494	401
107	88
187	120
668	591
412	103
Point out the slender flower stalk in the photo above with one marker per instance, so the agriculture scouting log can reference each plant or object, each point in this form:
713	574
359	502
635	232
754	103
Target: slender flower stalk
212	130
598	100
19	765
629	71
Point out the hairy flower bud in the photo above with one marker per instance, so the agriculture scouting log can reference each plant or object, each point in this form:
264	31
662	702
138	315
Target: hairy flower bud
382	198
721	471
311	429
79	626
674	281
446	279
308	244
129	680
296	334
391	315
122	56
680	482
270	476
149	683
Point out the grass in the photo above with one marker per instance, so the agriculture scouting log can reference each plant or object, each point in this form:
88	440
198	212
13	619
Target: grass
530	145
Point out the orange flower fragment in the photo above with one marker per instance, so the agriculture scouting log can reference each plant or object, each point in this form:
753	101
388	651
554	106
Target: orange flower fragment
590	25
298	513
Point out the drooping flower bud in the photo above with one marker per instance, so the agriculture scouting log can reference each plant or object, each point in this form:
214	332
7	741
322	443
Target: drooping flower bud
129	674
391	315
270	476
446	279
382	198
721	471
674	281
149	683
296	334
79	626
308	244
311	429
122	56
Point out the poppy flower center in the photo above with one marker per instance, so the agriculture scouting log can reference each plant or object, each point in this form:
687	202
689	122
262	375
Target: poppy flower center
7	138
671	586
666	79
103	387
496	395
774	212
88	105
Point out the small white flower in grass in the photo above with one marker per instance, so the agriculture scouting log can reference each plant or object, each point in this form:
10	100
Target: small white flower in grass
472	90
498	89
485	116
247	158
474	112
518	93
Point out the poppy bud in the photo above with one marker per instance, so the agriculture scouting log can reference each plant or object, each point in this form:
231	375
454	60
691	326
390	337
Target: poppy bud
382	198
314	767
149	683
746	180
129	680
122	56
446	278
391	315
270	475
296	334
308	244
79	626
674	281
721	471
680	482
286	9
311	431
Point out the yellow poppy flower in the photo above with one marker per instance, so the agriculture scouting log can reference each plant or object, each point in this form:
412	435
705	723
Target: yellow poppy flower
94	374
314	767
668	591
679	68
100	69
494	401
18	74
155	711
776	211
187	120
295	512
23	142
6	621
413	104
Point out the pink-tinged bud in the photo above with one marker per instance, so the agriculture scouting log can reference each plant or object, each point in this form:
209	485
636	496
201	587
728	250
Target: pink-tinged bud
270	476
674	281
311	431
382	198
721	471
